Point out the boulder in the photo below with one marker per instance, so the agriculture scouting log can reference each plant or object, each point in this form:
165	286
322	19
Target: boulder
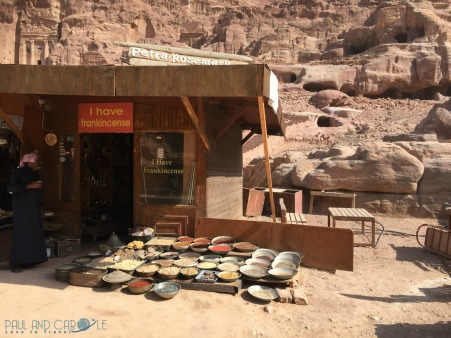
330	97
377	167
436	158
301	170
438	121
335	152
282	175
390	204
410	137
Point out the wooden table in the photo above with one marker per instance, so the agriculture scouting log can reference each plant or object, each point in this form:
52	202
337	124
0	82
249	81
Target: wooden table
331	194
354	214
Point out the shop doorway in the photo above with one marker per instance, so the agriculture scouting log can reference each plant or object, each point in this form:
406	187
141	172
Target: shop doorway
106	183
9	159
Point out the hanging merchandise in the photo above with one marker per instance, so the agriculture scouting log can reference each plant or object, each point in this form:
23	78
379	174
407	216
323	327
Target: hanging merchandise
51	139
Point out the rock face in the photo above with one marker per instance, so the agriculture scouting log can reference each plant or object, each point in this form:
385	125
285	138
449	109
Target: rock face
394	48
436	158
377	167
329	97
438	121
362	48
408	174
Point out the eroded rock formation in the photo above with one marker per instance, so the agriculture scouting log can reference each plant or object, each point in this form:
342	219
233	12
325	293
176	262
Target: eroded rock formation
408	174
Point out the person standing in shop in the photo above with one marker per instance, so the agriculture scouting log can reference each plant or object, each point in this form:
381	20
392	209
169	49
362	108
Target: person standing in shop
28	243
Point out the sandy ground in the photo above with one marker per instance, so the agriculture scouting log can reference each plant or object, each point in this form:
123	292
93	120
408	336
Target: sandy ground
397	289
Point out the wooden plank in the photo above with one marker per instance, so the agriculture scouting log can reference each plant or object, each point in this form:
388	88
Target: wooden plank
283	211
189	108
255	202
332	194
242	254
261	108
297	218
222	287
324	247
274	282
217	81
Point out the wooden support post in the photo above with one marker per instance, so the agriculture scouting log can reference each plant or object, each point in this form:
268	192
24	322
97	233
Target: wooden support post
261	108
254	130
231	120
4	115
189	108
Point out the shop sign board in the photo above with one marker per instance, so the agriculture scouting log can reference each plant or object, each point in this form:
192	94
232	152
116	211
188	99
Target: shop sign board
148	54
115	117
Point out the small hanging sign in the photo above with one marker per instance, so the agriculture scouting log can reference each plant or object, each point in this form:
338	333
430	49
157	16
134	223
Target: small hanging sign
115	117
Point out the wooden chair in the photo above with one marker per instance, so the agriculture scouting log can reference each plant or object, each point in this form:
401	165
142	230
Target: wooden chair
290	217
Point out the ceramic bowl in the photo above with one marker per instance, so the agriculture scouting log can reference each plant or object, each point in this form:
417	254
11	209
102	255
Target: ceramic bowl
282	273
210	258
233	259
185	263
245	246
220	249
223	240
188	273
190	255
207	266
134	287
180	246
229	266
252	271
295	256
147	270
170	255
263	293
167	290
284	263
164	262
229	276
202	240
264	254
170	272
199	247
263	263
186	239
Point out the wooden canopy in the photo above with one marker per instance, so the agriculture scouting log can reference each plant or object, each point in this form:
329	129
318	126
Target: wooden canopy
231	85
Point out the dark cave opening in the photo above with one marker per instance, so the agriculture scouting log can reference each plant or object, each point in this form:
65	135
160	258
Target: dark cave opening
401	37
317	87
422	94
324	121
353	50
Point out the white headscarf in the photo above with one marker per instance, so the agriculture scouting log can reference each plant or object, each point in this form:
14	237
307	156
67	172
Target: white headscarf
27	158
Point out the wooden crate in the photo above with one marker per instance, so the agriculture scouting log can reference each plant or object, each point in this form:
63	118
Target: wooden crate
67	247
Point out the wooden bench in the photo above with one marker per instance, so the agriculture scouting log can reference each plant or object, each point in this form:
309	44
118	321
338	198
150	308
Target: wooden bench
290	217
354	214
331	194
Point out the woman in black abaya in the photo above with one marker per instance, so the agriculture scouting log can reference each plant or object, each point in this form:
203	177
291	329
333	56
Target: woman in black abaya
28	247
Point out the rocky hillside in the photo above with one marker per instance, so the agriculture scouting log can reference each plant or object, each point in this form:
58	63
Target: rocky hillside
394	48
354	74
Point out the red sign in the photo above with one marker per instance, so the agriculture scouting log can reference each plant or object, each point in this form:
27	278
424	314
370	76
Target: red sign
114	117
